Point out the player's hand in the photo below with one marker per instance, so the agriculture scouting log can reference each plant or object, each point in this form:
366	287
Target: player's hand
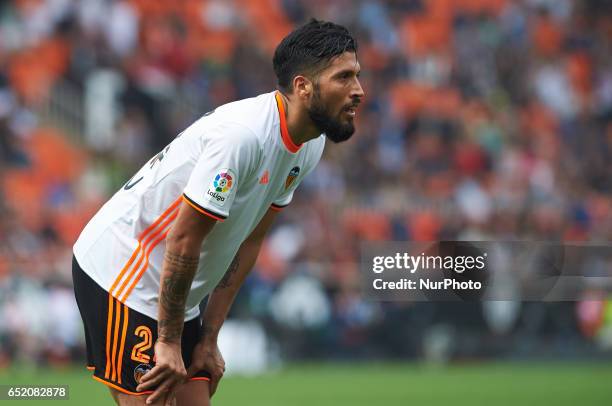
168	374
207	357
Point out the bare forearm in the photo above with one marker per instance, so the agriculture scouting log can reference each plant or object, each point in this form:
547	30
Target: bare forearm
222	297
177	275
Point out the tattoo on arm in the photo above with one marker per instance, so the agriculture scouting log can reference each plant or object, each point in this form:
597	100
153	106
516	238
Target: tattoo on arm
179	271
207	331
231	270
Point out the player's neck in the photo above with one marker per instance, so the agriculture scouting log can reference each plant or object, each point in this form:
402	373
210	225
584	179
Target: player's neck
300	126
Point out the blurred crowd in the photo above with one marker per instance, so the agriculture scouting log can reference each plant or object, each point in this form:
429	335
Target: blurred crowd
483	120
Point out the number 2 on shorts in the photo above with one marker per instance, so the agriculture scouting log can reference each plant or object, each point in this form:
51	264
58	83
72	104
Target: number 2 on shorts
139	349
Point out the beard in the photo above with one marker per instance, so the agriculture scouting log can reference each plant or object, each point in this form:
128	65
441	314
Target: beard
333	128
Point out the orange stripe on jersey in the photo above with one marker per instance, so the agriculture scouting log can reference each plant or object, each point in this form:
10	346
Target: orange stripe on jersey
146	264
143	247
142	236
146	254
125	268
109	322
122	346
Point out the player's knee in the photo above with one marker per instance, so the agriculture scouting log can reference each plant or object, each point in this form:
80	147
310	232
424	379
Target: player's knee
113	393
194	393
123	399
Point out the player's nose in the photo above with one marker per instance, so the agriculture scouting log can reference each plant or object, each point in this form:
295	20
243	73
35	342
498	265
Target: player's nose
357	91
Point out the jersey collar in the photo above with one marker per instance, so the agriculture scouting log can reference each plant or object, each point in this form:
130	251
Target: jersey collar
287	141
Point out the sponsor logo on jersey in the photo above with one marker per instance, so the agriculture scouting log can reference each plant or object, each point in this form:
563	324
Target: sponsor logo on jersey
140	371
291	177
221	187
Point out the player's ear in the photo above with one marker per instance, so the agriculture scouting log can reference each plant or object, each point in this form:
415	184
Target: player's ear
302	87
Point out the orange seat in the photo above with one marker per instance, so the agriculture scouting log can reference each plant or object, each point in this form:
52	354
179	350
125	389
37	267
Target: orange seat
33	71
547	36
54	159
424	226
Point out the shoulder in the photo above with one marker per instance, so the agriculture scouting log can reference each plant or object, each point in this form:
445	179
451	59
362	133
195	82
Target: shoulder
250	120
231	135
255	113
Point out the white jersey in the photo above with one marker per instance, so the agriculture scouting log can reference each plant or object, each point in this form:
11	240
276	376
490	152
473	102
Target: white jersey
233	164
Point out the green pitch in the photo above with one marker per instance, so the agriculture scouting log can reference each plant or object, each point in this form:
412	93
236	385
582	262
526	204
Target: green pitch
360	384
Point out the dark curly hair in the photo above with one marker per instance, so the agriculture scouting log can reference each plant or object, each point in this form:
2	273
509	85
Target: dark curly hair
309	49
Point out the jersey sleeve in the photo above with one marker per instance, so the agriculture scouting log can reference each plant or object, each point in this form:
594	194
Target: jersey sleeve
228	155
285	198
297	174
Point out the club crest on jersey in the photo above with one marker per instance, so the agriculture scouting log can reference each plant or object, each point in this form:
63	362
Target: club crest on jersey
140	371
291	177
221	186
